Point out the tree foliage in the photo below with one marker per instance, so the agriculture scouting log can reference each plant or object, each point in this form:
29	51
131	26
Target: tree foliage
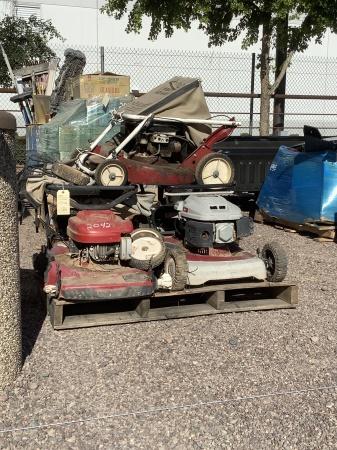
25	42
215	18
310	19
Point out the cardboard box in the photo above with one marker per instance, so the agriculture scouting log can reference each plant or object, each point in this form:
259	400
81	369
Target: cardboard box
94	85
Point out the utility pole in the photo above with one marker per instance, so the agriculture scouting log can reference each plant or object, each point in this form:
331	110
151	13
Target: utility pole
10	304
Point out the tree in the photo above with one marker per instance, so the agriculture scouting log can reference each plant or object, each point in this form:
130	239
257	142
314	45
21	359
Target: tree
25	42
256	19
280	56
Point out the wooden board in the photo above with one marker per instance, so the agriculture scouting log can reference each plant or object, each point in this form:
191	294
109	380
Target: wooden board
207	300
323	232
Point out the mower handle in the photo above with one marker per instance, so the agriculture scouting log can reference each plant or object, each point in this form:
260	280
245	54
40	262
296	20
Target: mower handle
90	190
110	205
138	117
202	187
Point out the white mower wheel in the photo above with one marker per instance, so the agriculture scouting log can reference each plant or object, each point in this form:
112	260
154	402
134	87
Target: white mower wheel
147	249
214	169
111	172
176	266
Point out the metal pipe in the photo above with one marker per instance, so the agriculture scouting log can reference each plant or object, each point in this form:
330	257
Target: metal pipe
101	136
131	135
250	95
230	123
80	164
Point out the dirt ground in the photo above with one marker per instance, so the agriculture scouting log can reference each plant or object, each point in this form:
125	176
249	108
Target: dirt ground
257	380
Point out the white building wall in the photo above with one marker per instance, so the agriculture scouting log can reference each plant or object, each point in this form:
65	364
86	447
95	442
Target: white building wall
6	8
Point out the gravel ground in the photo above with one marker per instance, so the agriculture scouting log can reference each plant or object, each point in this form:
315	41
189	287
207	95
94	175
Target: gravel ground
274	370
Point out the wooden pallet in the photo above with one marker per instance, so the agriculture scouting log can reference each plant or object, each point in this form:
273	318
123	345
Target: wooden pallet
215	299
322	232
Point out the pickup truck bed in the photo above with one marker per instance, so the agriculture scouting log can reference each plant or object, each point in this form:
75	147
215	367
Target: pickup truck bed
252	156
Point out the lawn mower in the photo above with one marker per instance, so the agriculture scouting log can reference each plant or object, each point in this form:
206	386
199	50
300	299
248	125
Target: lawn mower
162	138
102	254
96	253
160	153
205	246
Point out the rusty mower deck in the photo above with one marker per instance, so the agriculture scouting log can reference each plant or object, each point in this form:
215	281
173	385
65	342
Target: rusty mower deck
206	300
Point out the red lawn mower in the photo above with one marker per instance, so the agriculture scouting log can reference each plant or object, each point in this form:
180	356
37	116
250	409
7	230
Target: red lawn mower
202	166
162	138
101	254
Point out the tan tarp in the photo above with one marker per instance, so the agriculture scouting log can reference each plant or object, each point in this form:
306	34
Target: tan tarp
35	187
178	97
137	204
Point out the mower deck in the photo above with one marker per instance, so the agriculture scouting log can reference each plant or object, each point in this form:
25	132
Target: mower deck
215	299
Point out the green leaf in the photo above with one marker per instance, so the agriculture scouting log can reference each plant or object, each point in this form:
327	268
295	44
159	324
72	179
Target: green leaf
25	43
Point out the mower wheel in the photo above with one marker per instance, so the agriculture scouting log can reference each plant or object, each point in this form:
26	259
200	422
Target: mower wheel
111	172
276	261
214	168
147	249
176	265
70	174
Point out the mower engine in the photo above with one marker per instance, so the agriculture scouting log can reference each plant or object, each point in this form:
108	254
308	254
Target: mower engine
101	235
161	140
104	237
211	221
162	144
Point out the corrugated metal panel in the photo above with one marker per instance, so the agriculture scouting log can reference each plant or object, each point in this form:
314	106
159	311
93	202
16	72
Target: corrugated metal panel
25	11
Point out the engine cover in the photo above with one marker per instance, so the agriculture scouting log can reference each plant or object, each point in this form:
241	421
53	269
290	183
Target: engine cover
214	208
209	220
97	227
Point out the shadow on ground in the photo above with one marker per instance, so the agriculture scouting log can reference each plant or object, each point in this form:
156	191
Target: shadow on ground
33	309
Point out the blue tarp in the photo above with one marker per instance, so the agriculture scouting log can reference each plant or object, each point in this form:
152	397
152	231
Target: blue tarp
301	187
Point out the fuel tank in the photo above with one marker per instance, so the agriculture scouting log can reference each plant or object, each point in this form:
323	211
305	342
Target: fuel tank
97	227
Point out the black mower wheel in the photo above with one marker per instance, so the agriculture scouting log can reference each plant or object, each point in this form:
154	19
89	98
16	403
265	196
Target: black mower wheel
276	261
147	249
70	174
214	168
111	172
40	261
176	265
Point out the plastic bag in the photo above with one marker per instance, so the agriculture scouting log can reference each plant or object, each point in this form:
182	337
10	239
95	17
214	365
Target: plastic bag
78	123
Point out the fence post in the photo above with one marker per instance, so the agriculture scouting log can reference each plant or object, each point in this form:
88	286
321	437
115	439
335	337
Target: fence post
10	306
102	59
252	89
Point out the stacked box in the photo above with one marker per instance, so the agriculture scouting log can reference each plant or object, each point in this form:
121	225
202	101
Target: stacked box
94	85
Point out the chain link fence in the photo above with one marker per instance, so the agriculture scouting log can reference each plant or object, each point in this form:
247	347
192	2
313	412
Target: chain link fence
232	72
219	72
